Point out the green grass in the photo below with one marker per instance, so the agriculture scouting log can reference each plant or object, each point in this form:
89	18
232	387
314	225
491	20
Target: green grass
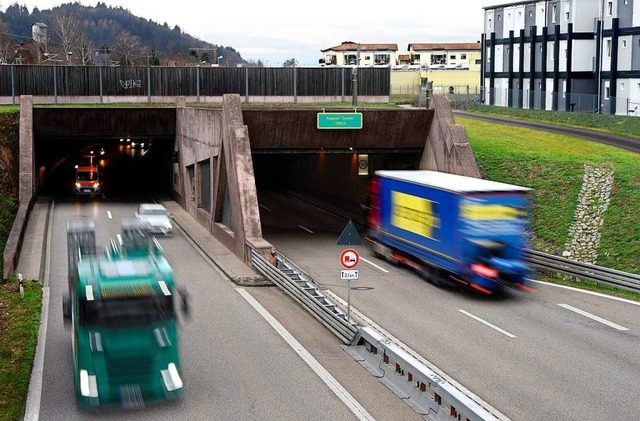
19	324
552	165
616	124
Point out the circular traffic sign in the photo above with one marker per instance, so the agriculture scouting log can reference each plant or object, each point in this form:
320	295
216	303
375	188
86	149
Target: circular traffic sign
349	258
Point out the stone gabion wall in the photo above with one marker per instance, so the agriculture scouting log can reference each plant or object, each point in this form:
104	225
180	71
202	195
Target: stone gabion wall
593	201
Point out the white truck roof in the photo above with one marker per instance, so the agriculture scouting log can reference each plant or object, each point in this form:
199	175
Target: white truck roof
451	182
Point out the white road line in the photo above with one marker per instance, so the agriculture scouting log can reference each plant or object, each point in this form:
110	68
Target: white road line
374	265
109	215
119	237
504	332
324	375
593	317
584	291
264	207
306	229
34	396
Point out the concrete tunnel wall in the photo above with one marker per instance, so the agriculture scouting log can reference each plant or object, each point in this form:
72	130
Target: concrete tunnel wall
226	139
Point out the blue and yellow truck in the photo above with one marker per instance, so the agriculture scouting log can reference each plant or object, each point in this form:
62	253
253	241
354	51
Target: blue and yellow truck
122	308
450	228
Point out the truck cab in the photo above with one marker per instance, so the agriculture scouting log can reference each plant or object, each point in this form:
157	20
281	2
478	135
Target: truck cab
124	323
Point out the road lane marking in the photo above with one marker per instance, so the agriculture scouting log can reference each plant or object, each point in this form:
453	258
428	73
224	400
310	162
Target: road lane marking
306	229
374	265
593	317
326	377
264	207
504	332
119	237
109	215
584	291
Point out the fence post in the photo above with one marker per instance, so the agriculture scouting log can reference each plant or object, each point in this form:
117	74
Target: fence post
100	83
13	86
55	84
246	84
295	84
148	82
342	81
198	84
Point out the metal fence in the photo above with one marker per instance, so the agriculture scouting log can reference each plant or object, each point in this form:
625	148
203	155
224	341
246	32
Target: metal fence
78	81
560	101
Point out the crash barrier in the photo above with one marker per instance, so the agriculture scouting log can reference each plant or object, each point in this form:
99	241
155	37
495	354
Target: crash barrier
599	274
424	390
291	280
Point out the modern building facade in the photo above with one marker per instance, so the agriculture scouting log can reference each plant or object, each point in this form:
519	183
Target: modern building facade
580	55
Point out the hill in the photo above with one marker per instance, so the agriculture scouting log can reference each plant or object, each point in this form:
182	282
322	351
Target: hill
93	32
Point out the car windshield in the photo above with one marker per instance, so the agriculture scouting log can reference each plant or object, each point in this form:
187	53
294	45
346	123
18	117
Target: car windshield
86	175
129	311
154	212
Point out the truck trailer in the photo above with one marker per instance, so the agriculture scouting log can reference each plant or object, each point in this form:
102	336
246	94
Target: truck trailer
121	306
450	228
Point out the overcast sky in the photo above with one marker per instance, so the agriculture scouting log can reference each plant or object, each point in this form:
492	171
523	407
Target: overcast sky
277	30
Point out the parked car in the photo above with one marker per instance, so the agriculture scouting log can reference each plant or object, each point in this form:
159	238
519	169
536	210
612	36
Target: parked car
156	218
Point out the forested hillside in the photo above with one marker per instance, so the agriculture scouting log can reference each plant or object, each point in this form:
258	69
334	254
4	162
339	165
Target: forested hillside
102	33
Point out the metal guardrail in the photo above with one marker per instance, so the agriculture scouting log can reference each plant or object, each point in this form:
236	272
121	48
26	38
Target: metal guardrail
599	274
291	279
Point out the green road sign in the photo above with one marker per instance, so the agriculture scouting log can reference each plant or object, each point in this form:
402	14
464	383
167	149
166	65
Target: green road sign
339	120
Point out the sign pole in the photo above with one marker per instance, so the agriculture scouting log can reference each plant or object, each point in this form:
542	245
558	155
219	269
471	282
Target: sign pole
349	301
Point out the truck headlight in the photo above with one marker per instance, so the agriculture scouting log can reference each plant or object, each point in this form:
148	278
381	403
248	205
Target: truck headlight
88	385
96	184
77	184
171	378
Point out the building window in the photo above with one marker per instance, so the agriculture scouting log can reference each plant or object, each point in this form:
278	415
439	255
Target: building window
540	85
381	58
608	48
452	57
609	8
566	16
606	89
479	62
622	86
463	56
624	43
490	23
566	53
519	15
541	48
530	13
499	18
554	13
564	89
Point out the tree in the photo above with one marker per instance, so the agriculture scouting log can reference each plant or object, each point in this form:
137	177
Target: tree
128	49
69	36
154	60
5	44
292	62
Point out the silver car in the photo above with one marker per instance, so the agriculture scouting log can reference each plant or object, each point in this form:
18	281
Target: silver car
156	218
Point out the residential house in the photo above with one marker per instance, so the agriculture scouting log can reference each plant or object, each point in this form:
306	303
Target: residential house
351	54
446	56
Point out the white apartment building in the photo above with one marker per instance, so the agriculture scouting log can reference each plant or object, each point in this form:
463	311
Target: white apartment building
563	55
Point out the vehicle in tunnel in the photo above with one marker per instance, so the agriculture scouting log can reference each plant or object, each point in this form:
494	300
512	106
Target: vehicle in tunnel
451	229
87	181
155	217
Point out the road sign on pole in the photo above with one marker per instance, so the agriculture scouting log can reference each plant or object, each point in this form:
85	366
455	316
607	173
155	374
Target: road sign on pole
349	258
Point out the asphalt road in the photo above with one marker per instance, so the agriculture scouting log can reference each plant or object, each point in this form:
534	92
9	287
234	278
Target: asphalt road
531	356
236	365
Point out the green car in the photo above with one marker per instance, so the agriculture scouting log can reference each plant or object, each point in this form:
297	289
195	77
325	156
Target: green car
122	310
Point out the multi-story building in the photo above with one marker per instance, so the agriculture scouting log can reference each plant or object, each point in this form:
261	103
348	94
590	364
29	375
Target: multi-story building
352	53
563	55
446	55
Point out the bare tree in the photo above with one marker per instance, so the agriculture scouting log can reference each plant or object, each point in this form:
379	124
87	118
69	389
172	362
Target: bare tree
67	34
292	62
128	49
5	44
84	50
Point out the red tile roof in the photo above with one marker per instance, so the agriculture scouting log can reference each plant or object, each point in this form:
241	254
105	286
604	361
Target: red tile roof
445	46
353	46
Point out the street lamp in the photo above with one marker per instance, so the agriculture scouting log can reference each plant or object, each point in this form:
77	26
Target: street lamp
218	59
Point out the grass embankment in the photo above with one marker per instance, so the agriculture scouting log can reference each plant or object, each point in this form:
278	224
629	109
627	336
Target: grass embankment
19	324
617	124
19	319
553	165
